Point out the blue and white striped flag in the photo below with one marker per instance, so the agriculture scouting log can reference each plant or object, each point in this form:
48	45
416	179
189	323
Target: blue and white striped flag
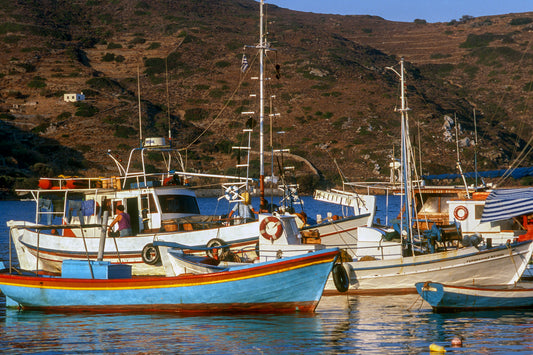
244	64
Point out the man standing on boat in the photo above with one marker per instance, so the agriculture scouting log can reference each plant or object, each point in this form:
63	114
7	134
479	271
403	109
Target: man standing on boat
123	220
243	209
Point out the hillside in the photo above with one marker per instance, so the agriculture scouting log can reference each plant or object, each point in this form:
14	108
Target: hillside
334	97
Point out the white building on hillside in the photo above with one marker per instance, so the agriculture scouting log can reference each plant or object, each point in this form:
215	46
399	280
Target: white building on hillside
73	97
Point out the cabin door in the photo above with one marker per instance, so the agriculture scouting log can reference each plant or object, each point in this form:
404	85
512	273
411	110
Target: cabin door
132	206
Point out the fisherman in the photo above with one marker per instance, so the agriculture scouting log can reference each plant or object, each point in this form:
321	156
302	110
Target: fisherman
123	220
244	209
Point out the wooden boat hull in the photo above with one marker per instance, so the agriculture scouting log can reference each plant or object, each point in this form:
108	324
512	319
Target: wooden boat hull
449	298
285	285
466	266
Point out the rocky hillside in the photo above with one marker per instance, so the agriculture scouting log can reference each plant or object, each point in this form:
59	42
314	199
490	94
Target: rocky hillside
327	81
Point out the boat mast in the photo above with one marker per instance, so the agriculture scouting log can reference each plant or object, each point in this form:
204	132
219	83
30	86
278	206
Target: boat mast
405	155
262	46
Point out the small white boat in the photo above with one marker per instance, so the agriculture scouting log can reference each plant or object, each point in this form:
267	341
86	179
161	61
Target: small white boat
500	265
450	298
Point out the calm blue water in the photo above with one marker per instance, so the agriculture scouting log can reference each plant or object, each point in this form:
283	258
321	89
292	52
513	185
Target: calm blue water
341	324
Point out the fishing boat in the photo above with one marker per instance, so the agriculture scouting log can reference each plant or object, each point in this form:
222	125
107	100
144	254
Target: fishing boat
462	266
159	204
293	284
450	298
416	258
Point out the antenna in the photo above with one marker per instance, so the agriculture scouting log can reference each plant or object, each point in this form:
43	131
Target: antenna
139	102
475	146
168	101
458	160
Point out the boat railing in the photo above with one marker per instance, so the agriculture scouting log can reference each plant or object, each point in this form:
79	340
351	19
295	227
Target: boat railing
39	228
193	223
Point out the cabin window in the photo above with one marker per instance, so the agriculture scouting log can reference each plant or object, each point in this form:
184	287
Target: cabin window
478	211
178	204
148	203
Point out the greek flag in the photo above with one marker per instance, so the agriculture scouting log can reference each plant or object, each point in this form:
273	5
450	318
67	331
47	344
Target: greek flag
244	64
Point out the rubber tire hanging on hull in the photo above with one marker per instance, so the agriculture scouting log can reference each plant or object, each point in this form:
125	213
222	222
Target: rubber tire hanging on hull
340	278
218	253
150	254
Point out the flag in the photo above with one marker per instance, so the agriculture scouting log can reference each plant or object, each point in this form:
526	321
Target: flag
244	64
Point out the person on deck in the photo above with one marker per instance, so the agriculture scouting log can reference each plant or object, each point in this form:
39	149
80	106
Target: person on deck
243	209
123	220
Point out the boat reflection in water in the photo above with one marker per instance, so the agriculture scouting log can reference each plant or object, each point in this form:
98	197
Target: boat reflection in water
341	324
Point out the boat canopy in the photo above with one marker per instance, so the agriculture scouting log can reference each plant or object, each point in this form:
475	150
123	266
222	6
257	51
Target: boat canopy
515	173
507	203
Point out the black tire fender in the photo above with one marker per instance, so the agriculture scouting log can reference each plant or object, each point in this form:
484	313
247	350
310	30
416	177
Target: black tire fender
340	278
218	253
150	254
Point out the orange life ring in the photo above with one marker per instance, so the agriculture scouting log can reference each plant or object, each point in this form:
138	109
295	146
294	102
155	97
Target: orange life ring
271	228
460	213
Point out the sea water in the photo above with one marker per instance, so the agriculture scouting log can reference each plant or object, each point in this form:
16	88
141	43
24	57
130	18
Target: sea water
341	324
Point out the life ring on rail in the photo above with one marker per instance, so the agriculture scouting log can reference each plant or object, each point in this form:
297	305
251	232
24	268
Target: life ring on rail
460	213
271	228
340	278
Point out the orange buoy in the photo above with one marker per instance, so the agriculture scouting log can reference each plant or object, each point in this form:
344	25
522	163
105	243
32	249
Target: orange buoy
45	184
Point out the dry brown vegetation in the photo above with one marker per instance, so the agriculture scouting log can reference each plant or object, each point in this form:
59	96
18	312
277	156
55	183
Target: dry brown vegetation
335	98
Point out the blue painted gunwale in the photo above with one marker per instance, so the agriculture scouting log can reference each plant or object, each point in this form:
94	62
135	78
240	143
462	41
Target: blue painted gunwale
448	298
284	285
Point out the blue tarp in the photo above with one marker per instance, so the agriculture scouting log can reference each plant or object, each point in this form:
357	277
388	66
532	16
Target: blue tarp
507	203
516	174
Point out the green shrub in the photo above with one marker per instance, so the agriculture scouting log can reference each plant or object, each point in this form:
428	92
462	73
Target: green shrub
154	45
201	87
114	46
489	55
138	40
222	64
154	66
119	58
124	131
216	93
40	128
196	114
528	87
11	39
476	41
64	115
7	116
37	82
439	56
520	21
85	109
108	57
103	84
